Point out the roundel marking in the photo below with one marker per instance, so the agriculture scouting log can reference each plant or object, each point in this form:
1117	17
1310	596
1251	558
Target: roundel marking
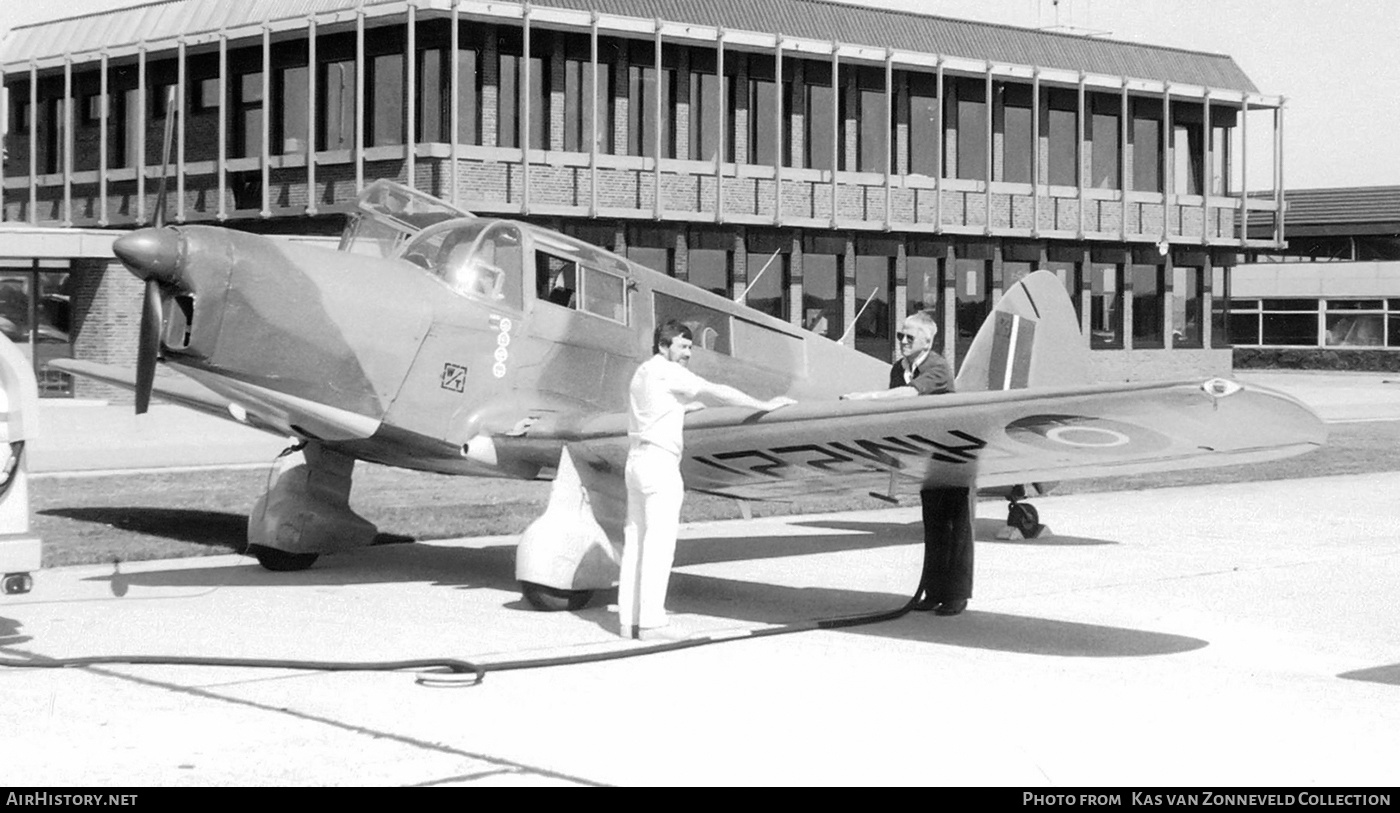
1093	437
1085	433
498	370
503	339
501	354
505	325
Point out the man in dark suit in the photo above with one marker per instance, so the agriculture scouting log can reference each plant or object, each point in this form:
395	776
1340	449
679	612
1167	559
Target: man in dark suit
947	578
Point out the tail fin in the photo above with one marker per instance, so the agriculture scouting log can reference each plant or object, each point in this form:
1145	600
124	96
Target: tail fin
1031	339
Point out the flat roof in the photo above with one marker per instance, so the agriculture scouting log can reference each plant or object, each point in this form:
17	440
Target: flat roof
816	20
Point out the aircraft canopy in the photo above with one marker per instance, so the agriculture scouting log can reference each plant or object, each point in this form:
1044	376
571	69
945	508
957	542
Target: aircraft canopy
480	259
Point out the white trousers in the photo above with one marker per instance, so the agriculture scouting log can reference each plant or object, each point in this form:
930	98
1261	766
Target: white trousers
654	495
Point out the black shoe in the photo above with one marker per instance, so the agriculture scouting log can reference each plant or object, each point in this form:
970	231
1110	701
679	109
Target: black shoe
925	604
951	607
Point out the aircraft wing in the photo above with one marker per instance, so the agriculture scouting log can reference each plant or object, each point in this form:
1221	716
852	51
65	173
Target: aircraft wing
987	439
177	390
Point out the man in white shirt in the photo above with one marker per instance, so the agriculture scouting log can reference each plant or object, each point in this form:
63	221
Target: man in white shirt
661	392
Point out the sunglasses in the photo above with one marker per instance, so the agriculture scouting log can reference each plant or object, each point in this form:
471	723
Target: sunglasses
909	337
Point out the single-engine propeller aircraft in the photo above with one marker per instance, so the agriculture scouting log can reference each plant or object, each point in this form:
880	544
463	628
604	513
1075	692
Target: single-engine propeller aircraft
441	341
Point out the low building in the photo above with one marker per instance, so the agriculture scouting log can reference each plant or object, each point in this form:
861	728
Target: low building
1335	285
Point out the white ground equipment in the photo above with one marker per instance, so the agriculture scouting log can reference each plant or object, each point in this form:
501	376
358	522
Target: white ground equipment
19	417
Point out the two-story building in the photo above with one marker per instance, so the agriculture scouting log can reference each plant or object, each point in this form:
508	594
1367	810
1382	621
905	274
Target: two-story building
835	165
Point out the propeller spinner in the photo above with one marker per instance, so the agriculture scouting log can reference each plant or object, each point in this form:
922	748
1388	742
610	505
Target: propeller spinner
153	255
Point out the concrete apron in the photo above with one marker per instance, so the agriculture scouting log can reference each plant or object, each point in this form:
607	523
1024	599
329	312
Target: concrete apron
1227	635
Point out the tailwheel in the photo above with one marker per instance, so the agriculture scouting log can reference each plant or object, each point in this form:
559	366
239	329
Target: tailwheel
282	561
1023	517
553	599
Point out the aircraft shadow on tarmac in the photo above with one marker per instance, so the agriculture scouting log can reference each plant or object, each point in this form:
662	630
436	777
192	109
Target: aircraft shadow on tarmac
492	566
10	634
1389	675
216	529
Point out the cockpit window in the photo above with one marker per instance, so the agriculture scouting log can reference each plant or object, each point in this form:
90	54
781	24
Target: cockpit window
601	293
480	259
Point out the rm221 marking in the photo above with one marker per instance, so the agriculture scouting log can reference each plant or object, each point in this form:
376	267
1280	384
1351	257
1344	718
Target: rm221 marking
454	377
873	454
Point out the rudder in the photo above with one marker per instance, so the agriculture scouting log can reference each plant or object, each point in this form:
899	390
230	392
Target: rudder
1031	339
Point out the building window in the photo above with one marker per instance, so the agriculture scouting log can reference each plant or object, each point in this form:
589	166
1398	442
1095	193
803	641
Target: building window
511	95
1274	322
35	302
653	248
1219	308
1105	306
1188	306
580	108
1016	147
708	268
817	140
1188	153
1013	271
19	122
52	126
248	115
973	303
967	129
1219	160
1355	323
767	280
291	92
709	94
644	115
434	97
1070	276
434	82
337	103
1149	317
1105	135
386	105
204	95
1147	145
130	130
159	94
923	124
764	103
874	281
92	108
872	122
1062	137
822	266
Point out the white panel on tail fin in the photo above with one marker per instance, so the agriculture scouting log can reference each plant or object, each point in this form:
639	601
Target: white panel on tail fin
1031	339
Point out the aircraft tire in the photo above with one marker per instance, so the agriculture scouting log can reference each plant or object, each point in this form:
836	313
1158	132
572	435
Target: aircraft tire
1023	517
282	561
553	599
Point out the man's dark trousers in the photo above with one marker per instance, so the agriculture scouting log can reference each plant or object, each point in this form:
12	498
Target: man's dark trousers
947	543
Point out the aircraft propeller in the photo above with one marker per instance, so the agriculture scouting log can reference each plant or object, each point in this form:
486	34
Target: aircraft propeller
152	254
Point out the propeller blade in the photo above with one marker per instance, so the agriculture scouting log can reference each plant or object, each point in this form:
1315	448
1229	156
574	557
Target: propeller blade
149	348
165	155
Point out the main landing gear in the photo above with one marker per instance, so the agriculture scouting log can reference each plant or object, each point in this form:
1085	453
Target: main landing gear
553	599
307	511
1022	520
